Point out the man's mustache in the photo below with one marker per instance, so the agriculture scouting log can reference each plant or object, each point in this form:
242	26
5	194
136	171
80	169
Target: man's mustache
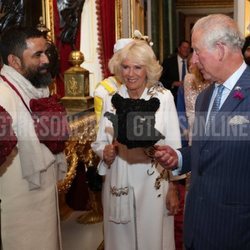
43	67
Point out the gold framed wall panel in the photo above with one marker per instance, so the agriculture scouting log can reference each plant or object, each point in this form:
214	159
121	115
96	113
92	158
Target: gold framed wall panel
131	14
247	18
118	19
48	17
137	16
141	19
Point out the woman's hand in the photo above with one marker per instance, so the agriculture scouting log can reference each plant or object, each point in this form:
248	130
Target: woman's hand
172	199
109	153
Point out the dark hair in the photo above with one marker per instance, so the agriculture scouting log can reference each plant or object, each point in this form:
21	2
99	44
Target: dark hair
13	41
183	41
246	44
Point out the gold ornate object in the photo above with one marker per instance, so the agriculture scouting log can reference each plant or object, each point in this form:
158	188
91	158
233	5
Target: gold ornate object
83	131
72	159
76	84
78	148
41	26
95	214
64	185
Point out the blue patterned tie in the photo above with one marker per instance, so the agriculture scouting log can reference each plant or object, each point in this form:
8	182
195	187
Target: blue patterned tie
216	106
183	72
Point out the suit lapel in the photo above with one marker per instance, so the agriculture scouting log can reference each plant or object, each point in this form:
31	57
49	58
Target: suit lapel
232	102
229	106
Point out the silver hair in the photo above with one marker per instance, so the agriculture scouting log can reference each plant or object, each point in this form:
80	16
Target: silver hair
219	28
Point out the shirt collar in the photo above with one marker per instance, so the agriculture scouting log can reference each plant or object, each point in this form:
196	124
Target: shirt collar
232	80
180	59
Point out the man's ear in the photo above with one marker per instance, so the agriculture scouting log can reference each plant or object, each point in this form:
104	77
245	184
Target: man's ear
14	61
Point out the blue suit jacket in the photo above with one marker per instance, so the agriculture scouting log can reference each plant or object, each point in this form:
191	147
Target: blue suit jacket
217	215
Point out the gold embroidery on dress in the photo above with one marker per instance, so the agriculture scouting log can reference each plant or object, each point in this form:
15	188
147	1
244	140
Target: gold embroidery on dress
119	191
164	174
157	88
153	91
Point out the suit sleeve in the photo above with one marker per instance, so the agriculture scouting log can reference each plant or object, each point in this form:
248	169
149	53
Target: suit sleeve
186	159
165	78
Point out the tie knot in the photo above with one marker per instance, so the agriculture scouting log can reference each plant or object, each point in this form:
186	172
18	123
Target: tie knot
215	107
220	88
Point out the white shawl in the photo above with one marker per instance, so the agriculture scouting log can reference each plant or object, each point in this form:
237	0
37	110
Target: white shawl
35	157
121	193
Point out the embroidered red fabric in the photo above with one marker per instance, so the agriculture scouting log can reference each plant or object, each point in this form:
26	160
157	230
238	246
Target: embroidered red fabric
51	123
178	219
8	139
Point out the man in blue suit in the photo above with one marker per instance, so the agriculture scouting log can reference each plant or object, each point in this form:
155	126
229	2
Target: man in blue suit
173	69
217	215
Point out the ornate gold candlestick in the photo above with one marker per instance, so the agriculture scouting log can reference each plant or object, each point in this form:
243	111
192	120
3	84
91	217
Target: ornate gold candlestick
76	83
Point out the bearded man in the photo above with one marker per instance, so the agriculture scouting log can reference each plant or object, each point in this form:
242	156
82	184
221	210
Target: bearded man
30	218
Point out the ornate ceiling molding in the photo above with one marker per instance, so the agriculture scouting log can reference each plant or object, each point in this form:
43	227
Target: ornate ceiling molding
204	3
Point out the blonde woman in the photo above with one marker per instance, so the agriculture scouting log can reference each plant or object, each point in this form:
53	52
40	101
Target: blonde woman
138	214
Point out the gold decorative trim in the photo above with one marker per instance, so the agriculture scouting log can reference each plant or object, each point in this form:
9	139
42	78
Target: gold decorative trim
204	3
118	19
65	184
247	18
198	6
96	214
136	17
78	148
132	21
48	17
119	191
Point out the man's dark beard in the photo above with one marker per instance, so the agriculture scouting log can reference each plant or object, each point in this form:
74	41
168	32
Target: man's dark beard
38	79
41	80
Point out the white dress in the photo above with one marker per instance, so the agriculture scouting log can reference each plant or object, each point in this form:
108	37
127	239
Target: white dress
144	221
29	218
